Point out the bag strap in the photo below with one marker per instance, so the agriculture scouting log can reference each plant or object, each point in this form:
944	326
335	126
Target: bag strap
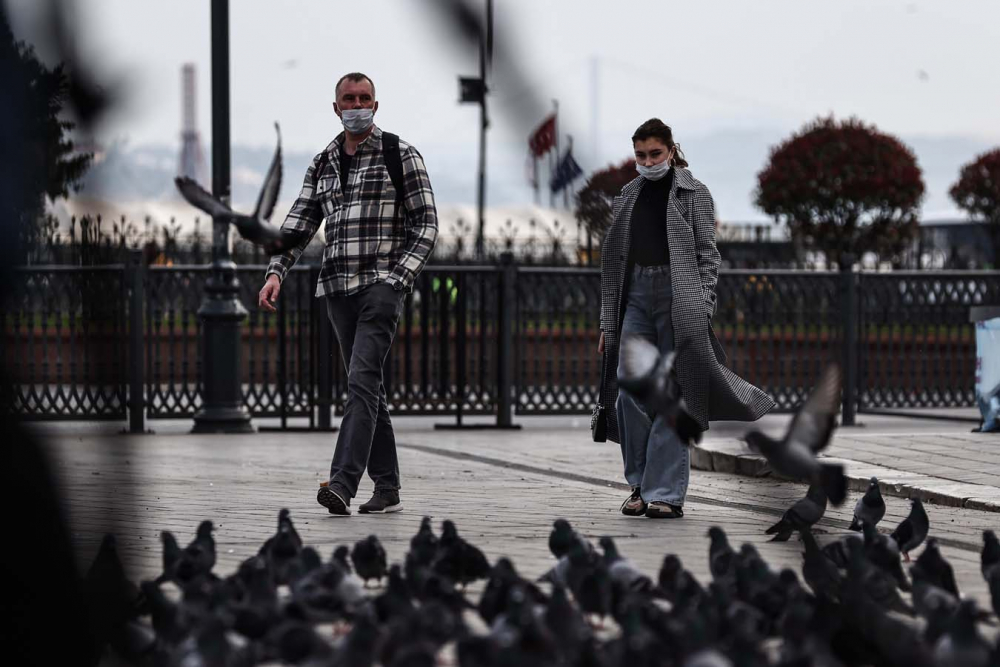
604	364
394	165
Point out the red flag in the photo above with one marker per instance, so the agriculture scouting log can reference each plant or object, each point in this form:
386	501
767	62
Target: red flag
543	139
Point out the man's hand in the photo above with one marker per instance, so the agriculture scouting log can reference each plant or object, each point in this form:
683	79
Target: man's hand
600	344
269	293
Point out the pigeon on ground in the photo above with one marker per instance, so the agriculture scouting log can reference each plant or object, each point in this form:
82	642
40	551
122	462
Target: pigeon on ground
341	556
502	580
298	643
360	645
876	584
626	577
113	600
990	557
424	545
562	538
586	576
993	582
912	531
171	555
198	557
369	559
757	584
678	586
870	507
794	455
169	623
567	625
257	613
929	598
838	550
282	548
396	600
819	572
883	552
721	560
650	378
803	514
457	559
937	569
253	227
962	645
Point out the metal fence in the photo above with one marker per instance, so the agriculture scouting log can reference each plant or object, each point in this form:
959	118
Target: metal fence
123	341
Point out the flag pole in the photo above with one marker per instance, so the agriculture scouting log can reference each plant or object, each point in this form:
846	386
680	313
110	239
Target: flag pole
535	180
569	149
554	153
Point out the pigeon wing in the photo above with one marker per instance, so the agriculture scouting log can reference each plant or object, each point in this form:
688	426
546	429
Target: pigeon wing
272	184
201	199
639	360
814	421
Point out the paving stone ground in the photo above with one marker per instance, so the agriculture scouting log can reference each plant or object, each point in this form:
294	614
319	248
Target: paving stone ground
502	488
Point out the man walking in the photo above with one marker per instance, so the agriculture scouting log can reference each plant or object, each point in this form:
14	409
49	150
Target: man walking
372	191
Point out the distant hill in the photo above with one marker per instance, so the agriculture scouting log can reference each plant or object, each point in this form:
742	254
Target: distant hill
727	161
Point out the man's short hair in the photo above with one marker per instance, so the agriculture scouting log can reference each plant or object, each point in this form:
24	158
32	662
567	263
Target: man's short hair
356	77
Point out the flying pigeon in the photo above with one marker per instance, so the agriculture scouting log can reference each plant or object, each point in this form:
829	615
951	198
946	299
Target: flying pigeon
649	376
254	227
794	455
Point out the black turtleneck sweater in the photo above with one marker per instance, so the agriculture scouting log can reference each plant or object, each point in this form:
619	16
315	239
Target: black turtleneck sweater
648	246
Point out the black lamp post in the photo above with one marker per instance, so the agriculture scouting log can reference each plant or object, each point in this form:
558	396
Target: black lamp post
474	90
221	312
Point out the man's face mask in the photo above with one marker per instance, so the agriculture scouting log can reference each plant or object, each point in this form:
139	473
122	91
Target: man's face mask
357	121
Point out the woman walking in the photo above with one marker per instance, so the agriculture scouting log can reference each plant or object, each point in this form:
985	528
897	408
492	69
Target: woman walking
659	268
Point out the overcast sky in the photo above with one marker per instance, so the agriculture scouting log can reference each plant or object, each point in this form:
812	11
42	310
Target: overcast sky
708	68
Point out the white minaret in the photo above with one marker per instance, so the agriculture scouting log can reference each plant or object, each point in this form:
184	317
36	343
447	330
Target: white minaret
192	161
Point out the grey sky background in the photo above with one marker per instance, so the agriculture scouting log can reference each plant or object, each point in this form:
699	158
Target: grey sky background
731	77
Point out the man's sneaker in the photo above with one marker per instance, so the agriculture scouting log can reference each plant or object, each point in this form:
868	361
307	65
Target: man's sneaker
332	500
634	505
383	501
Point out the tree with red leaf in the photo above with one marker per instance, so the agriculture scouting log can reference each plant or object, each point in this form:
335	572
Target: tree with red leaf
843	189
593	202
977	192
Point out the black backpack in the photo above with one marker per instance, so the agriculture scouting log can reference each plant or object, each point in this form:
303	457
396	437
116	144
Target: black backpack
393	164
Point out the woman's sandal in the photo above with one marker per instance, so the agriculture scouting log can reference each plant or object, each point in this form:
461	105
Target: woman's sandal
661	510
634	504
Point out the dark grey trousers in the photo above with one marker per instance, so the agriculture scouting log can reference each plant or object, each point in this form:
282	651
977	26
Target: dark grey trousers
365	323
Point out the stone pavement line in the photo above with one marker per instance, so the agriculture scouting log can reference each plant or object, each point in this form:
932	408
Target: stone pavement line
734	457
826	521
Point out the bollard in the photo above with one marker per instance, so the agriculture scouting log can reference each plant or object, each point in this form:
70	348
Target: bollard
136	361
849	352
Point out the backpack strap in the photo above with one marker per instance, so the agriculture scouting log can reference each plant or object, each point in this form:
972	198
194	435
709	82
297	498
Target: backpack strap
324	162
394	165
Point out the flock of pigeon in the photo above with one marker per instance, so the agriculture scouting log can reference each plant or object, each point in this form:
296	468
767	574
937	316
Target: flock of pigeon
847	607
287	604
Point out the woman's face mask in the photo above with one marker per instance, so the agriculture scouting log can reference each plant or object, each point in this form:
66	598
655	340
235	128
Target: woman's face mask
652	159
654	173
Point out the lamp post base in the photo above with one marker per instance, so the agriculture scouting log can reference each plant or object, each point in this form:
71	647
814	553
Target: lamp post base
223	420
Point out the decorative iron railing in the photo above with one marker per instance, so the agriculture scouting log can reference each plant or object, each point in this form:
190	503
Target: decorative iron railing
81	342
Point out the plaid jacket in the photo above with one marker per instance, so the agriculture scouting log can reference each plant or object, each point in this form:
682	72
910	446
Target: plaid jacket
367	239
